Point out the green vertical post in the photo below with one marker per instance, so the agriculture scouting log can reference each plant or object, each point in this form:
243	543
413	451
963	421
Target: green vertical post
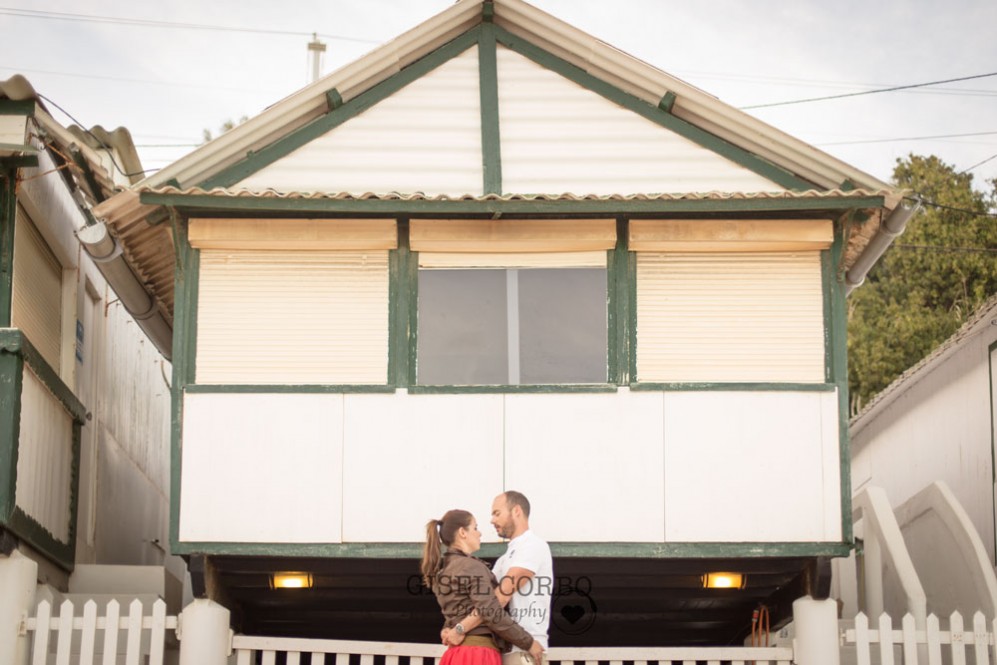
184	354
8	210
11	377
400	304
491	151
837	350
619	285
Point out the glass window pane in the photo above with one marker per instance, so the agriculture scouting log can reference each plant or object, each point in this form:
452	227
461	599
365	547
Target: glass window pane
562	325
462	328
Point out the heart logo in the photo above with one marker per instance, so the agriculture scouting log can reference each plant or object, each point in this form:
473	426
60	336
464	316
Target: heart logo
572	613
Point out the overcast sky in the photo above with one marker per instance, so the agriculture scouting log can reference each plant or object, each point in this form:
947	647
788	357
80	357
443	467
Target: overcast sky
168	84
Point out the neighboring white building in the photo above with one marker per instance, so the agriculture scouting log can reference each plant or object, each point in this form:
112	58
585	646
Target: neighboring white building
937	422
85	392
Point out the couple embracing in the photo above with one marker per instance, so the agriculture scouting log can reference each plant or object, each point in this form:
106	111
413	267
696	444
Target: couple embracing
486	611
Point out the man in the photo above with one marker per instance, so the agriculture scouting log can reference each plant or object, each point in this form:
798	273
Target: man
525	573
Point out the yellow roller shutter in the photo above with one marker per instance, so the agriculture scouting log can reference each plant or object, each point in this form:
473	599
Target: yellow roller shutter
722	317
292	317
37	306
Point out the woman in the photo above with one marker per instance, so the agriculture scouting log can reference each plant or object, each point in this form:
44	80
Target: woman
462	585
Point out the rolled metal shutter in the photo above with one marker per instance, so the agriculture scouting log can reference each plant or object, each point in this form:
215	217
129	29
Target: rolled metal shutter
37	302
730	317
292	317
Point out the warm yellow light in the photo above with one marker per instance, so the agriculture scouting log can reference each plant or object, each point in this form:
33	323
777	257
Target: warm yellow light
292	580
724	581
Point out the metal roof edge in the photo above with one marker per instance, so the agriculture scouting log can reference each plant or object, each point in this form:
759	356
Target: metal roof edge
985	315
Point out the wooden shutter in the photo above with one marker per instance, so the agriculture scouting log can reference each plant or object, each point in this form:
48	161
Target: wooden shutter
37	306
722	317
292	317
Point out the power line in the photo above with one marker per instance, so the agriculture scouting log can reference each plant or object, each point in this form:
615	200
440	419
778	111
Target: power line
967	170
910	138
974	213
148	23
868	92
944	248
92	135
128	80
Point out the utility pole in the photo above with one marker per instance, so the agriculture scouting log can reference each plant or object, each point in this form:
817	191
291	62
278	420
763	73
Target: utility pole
315	50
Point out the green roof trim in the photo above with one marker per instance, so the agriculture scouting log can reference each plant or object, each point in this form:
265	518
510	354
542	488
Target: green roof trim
513	206
255	161
17	107
334	99
492	550
667	102
655	114
491	144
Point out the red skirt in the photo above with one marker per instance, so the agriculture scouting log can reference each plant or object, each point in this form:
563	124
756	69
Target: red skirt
463	655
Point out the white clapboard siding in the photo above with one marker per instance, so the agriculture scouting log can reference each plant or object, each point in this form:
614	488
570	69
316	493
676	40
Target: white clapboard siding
424	138
90	639
44	458
37	307
959	645
292	317
557	136
729	317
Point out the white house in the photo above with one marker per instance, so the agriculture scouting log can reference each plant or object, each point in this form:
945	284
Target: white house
496	253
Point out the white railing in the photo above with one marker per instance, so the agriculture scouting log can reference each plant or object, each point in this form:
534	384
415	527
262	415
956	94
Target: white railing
906	645
247	648
91	640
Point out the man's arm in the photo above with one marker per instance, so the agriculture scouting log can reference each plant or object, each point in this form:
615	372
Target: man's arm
507	587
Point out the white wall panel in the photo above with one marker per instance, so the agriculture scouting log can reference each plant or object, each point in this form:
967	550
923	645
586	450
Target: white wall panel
751	467
424	138
410	458
262	468
591	464
44	457
560	137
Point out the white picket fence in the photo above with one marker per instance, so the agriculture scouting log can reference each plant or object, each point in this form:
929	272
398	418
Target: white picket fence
271	650
83	639
910	646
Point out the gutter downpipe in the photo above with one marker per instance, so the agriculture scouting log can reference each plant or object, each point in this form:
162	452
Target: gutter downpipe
106	253
893	226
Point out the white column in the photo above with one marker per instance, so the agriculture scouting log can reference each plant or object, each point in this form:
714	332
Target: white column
205	638
18	580
816	624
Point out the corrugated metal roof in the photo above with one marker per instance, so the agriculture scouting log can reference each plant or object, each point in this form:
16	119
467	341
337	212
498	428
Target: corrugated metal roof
985	315
151	247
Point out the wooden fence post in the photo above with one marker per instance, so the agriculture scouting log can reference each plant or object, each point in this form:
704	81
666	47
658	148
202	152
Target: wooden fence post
18	579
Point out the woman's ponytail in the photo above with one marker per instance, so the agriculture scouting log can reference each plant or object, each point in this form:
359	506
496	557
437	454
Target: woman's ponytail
439	533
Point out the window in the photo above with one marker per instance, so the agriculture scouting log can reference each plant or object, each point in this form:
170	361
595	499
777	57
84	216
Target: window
512	326
512	302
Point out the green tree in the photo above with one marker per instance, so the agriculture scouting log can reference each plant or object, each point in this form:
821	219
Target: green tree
927	284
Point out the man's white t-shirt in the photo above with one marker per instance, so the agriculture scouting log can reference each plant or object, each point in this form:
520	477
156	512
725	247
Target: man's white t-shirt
530	606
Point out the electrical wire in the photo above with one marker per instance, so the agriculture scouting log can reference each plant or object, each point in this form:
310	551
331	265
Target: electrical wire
974	213
110	153
911	138
967	170
867	92
945	248
117	20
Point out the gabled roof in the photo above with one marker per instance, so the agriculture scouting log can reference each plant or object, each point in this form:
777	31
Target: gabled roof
210	177
592	56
